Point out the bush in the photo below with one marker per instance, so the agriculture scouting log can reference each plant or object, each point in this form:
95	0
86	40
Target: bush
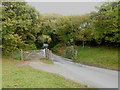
58	46
16	55
13	55
70	52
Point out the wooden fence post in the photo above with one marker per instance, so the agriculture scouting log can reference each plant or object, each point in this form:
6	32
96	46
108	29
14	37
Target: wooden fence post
50	54
47	53
21	54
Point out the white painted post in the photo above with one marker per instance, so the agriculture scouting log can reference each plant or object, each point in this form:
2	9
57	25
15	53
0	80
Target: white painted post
44	53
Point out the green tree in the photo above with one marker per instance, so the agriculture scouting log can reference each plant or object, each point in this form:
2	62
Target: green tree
84	36
44	39
48	27
66	28
84	33
20	25
106	23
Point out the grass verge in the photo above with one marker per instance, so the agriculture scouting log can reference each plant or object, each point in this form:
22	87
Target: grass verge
98	56
15	76
106	57
47	61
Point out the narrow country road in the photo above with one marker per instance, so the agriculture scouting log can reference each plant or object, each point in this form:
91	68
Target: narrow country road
94	77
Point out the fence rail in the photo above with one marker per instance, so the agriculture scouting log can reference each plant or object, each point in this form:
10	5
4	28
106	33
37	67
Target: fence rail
43	53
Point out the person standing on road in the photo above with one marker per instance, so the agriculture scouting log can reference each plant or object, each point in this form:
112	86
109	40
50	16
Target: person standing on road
45	46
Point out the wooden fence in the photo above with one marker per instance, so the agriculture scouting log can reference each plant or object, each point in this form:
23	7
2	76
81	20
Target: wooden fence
48	53
45	53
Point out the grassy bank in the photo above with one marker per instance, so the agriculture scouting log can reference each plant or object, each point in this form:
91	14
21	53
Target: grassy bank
98	56
15	76
102	56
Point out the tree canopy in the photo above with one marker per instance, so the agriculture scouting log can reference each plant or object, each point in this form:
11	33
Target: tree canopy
22	25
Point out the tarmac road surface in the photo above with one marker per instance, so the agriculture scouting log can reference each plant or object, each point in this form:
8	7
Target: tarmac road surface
92	76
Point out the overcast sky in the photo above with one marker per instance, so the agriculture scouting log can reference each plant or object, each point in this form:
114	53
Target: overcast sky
65	8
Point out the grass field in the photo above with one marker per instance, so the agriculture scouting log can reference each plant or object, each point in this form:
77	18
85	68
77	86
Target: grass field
98	56
106	57
15	76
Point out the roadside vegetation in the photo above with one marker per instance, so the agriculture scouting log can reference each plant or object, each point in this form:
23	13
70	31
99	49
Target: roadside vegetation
101	56
23	27
15	76
98	56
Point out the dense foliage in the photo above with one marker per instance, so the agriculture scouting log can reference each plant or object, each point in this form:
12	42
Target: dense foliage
106	23
23	26
70	52
20	25
99	27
